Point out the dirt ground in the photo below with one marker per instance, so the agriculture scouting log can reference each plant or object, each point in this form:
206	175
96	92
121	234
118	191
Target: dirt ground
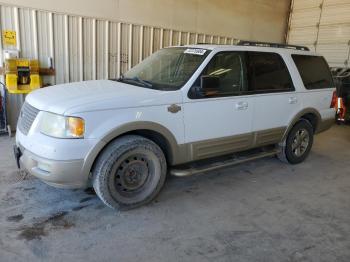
259	211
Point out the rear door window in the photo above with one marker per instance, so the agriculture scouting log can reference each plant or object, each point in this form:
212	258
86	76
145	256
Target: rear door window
314	71
267	73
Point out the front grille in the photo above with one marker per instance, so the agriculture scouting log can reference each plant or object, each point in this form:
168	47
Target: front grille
27	117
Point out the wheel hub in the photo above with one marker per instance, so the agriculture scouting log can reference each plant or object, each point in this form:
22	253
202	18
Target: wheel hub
132	174
300	142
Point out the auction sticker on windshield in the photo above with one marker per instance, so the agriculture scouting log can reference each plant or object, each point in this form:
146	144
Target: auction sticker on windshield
195	51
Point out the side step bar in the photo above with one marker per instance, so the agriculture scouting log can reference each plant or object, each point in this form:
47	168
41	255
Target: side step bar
195	168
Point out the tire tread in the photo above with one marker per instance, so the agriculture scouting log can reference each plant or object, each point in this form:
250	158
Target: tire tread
106	160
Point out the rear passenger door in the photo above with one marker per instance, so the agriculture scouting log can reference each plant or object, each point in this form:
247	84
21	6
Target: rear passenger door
275	99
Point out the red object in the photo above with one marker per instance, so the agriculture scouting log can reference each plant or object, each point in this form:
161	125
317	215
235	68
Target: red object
334	102
338	104
341	110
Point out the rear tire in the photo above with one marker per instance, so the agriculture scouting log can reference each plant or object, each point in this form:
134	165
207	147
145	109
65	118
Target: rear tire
296	148
129	172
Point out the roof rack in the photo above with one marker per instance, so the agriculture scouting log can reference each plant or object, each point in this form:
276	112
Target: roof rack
262	44
203	43
267	44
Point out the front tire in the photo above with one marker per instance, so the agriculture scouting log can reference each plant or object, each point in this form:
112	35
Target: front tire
129	172
296	148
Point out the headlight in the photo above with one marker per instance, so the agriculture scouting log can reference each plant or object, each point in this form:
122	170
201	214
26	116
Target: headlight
61	126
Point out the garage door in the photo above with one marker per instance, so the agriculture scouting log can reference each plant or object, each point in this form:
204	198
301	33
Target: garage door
323	26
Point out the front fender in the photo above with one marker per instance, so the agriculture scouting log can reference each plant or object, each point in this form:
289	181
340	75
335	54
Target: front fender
179	153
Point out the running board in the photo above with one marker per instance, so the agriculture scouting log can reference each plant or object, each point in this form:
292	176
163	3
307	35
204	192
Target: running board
195	168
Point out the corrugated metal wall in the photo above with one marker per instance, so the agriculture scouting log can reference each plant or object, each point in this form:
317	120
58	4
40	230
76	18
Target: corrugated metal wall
85	48
323	26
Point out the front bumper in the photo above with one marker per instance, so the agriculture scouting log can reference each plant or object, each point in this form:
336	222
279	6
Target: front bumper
61	174
63	163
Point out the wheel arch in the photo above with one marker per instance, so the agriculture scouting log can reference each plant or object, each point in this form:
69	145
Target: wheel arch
309	114
153	131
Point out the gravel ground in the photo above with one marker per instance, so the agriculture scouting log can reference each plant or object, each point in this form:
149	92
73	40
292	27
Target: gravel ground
259	211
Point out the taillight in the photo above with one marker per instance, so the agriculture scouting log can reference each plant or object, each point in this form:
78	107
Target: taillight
334	100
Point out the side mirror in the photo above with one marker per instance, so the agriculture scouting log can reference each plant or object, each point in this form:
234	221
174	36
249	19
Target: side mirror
210	83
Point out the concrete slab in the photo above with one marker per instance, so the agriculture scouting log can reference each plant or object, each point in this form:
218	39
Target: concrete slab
260	211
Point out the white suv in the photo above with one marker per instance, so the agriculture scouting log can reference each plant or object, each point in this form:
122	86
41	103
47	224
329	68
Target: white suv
185	110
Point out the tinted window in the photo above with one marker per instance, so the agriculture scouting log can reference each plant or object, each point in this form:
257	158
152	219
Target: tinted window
314	71
267	72
228	67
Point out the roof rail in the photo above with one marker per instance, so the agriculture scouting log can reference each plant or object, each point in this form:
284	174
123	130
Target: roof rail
262	44
267	44
203	43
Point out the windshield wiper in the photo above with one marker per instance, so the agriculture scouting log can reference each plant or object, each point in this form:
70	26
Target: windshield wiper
137	80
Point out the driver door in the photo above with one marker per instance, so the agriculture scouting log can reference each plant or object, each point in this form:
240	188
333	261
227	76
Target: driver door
218	120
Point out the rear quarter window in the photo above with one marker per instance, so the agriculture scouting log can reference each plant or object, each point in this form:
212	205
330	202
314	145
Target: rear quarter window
314	71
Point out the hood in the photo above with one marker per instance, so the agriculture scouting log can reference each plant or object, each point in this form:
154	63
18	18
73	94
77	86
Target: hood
98	95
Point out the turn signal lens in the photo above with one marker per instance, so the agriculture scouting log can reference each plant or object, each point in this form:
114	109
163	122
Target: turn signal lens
76	126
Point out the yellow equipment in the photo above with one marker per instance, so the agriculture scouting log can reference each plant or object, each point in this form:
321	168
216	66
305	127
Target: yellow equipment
22	75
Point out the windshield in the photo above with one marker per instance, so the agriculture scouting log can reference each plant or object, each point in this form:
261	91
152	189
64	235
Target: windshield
166	69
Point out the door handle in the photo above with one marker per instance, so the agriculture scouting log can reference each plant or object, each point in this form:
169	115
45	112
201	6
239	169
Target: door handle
293	100
241	105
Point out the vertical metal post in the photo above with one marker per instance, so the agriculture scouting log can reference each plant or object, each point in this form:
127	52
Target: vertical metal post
171	38
130	47
119	28
141	44
51	44
35	34
289	21
81	50
161	38
319	24
106	49
18	33
94	39
66	47
151	41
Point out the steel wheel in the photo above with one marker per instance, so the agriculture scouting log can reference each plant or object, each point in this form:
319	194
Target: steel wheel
130	172
134	174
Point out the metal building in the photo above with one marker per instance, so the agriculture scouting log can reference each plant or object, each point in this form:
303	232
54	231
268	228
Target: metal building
85	48
323	26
